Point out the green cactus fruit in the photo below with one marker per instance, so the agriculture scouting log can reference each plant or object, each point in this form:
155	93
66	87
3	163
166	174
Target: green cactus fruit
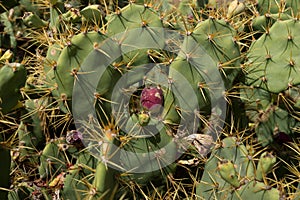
275	69
33	21
12	79
6	56
265	165
72	15
228	173
144	119
105	181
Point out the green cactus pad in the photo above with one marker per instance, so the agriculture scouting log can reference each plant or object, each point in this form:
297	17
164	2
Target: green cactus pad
256	190
228	173
275	68
218	39
49	67
34	21
53	159
186	81
79	176
148	152
290	7
264	22
70	60
142	19
12	79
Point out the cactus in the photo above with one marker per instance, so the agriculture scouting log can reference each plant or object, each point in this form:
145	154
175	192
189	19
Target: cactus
53	159
135	16
290	7
113	105
12	79
79	176
70	59
268	94
30	131
266	64
235	176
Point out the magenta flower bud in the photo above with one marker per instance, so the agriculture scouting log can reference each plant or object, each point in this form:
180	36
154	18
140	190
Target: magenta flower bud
152	98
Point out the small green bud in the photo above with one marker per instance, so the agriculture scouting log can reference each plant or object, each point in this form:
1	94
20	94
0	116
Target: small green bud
265	165
227	171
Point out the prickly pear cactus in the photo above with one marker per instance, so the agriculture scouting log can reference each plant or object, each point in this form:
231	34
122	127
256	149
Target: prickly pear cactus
125	100
272	75
12	79
275	69
231	169
70	59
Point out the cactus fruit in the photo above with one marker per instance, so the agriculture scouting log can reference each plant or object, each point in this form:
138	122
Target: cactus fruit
152	99
104	181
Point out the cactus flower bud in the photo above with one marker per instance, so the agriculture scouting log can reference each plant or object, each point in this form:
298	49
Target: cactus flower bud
144	119
74	136
152	99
